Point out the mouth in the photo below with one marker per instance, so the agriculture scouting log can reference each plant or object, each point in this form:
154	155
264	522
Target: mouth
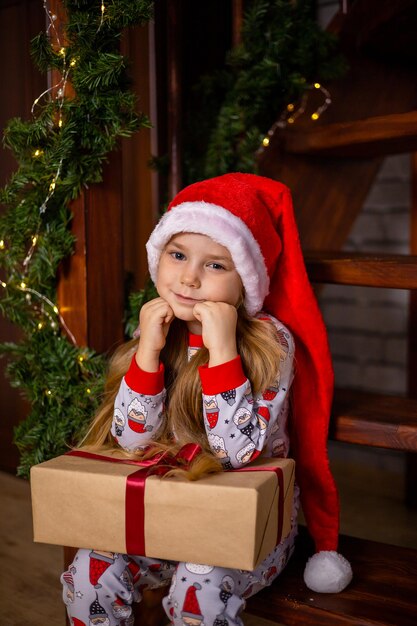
185	299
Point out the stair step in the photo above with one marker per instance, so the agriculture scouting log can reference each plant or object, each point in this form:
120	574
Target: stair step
371	137
374	420
382	592
371	270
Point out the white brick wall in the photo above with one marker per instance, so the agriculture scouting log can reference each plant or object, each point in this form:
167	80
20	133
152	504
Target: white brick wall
368	327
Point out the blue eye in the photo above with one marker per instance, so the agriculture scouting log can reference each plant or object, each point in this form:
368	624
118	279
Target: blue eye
216	266
178	256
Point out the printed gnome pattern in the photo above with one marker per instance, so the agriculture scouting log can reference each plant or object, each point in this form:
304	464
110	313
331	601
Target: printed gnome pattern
253	217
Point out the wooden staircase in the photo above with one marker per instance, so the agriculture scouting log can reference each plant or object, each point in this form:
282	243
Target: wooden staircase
329	166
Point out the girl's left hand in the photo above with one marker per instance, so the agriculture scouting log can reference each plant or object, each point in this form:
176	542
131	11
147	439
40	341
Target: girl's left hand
218	320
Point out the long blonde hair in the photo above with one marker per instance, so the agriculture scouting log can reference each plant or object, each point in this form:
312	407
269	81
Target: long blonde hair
261	354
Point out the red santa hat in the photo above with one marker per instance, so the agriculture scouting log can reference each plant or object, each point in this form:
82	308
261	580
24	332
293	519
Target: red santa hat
253	218
191	607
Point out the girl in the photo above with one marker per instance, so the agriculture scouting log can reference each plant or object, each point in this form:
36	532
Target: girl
214	365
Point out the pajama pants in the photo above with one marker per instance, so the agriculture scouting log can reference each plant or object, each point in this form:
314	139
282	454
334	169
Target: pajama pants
100	587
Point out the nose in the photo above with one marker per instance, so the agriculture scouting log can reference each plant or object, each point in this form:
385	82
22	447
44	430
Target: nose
190	278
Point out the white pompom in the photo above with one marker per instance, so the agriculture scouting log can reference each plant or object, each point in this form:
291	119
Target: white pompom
327	572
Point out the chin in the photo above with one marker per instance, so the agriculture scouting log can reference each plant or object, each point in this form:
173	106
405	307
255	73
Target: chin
183	313
185	317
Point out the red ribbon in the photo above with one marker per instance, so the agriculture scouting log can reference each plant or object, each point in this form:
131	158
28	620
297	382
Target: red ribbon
160	464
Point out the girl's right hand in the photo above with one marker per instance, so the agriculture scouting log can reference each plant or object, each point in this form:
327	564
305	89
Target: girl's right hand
154	320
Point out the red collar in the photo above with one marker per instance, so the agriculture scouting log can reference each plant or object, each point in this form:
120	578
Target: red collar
195	341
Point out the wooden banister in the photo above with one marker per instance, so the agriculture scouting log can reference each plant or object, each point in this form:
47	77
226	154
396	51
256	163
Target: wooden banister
371	137
371	270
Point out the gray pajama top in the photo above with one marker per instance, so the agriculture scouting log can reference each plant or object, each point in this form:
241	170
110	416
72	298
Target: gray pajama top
239	425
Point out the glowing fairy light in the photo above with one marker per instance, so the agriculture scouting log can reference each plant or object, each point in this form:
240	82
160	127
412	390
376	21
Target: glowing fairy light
2	244
23	286
103	10
293	111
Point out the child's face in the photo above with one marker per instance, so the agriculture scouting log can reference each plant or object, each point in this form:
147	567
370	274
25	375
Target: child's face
195	268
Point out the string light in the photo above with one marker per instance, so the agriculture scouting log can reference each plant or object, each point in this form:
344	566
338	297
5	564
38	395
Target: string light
88	390
60	96
31	251
48	392
292	112
103	9
23	286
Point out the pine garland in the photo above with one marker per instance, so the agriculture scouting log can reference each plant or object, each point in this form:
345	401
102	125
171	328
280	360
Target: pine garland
283	49
60	151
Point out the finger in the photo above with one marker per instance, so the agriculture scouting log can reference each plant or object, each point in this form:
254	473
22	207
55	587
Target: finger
198	310
169	316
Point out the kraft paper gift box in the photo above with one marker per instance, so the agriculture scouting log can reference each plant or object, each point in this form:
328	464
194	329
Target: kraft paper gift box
231	519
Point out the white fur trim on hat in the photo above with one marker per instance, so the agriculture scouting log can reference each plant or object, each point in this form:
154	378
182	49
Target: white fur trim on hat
226	229
327	572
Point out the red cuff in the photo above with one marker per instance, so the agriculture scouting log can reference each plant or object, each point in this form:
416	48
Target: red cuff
148	383
222	377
